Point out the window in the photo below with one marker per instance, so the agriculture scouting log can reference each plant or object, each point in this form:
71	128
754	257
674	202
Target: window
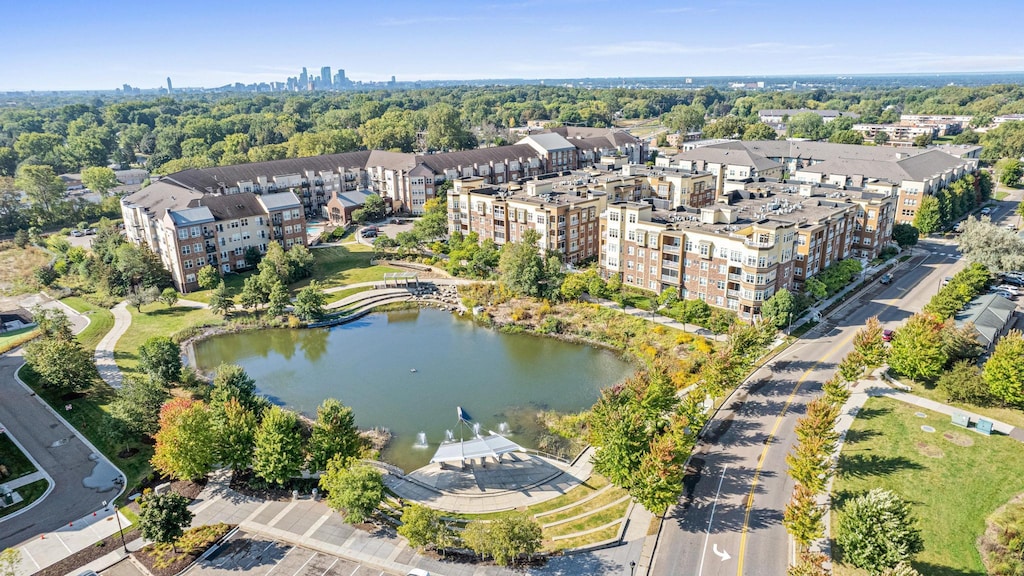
703	265
226	267
183	233
186	249
632	218
245	221
187	264
195	231
197	248
189	278
239	263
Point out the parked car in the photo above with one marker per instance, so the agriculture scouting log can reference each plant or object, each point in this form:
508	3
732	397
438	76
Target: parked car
885	279
947	280
418	572
887	335
1004	294
1009	288
1013	280
90	231
77	233
986	210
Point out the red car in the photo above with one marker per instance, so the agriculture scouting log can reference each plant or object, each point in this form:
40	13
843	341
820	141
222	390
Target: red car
887	335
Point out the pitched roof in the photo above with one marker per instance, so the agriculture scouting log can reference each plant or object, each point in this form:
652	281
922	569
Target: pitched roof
211	179
354	198
187	216
989	313
279	201
441	162
547	142
230	206
159	197
728	153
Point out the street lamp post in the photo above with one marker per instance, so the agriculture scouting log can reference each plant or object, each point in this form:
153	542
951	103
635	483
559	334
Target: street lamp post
632	567
119	529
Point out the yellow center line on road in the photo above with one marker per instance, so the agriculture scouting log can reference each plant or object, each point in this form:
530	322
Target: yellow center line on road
767	444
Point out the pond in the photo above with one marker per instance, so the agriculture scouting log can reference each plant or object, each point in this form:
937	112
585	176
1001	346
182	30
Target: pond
409	370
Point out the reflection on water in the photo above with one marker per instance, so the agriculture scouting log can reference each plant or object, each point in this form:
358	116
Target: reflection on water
408	371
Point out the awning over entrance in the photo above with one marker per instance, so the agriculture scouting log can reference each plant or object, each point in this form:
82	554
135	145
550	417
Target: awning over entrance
493	445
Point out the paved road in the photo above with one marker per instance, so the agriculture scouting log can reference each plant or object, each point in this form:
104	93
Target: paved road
57	450
729	520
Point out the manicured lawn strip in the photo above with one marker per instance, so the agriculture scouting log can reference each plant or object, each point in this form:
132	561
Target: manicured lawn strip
157	320
335	296
347	264
951	496
15	338
593	484
579	541
602	499
1011	416
30	492
588	522
101	321
14	459
86	414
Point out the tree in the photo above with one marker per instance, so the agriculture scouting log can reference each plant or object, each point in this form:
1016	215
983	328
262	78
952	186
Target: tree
334	434
277	455
846	137
160	357
836	391
922	140
901	569
505	539
221	301
965	383
802	517
137	405
21	238
1009	171
521	267
727	127
10	559
881	139
169	296
905	234
310	302
779	309
1004	370
52	322
806	125
279	299
61	363
928	218
993	246
185	441
434	222
163	518
877	530
208	277
916	349
230	381
139	297
300	263
42	186
423	527
759	131
445	130
685	118
869	344
100	179
253	293
810	463
236	435
355	490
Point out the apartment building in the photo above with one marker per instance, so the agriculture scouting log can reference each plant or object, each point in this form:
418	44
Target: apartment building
914	171
900	134
190	230
731	163
673	187
782	116
564	214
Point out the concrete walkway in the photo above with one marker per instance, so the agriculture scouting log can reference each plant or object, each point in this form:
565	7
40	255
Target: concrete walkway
104	355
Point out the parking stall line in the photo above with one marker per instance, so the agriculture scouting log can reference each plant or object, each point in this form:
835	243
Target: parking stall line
329	567
308	560
355	570
279	560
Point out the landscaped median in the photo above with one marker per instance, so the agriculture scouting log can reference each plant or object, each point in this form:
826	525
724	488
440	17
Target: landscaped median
14	465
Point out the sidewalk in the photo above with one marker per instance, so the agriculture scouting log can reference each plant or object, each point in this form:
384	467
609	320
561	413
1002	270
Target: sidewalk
52	547
104	355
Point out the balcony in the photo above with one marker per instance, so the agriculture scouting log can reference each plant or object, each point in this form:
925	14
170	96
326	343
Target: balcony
670	264
671	248
208	234
736	277
732	293
210	249
671	279
756	244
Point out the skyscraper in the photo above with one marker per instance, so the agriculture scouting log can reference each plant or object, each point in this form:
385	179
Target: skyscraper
303	79
339	78
170	88
325	77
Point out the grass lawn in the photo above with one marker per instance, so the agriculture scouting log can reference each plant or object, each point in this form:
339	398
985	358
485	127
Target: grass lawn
1011	416
954	479
101	321
340	294
14	460
157	320
30	493
1001	195
15	338
345	264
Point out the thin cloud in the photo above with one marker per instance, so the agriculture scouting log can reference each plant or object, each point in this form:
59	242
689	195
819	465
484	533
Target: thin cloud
640	47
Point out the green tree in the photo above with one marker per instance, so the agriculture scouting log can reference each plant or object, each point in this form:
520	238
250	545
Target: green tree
810	463
277	455
137	405
685	118
806	125
759	131
928	219
169	296
993	246
869	344
164	517
100	179
881	139
916	349
520	266
836	391
877	530
905	234
230	381
779	309
423	527
505	539
208	277
253	293
802	517
185	440
965	383
279	299
42	186
1004	370
355	490
727	127
61	363
846	137
445	130
52	322
21	238
434	222
220	300
1009	171
236	435
310	302
922	140
160	358
334	434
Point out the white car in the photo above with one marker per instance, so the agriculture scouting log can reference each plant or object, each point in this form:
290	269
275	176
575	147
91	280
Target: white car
418	572
986	210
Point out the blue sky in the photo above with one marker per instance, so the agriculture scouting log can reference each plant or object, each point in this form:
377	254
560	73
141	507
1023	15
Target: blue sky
72	44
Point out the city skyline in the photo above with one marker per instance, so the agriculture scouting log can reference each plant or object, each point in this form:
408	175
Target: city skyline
460	40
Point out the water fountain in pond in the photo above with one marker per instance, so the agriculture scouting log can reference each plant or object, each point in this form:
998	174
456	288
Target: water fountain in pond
448	435
503	429
476	429
421	440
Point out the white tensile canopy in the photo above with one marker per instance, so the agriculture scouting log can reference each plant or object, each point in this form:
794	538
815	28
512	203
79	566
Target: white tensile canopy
493	445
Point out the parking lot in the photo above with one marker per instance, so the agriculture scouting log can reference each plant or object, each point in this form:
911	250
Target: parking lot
259	555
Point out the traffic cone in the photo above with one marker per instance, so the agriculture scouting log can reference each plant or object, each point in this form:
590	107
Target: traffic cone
71	523
42	536
93	513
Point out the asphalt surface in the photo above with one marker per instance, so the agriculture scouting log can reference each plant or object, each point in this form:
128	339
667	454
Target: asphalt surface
729	520
58	451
